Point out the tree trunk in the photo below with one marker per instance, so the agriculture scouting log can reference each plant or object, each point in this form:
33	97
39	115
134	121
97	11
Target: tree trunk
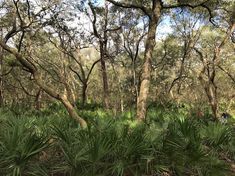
135	86
1	81
70	94
211	92
103	38
62	98
84	96
38	100
104	76
146	70
72	111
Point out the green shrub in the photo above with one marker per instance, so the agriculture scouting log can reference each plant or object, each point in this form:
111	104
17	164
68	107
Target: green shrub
19	144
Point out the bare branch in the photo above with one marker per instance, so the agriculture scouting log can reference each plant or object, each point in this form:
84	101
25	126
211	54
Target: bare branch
92	67
145	10
227	73
94	20
202	4
78	75
7	73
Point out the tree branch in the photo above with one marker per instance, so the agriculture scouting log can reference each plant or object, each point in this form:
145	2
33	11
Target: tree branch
92	67
202	4
19	57
226	72
7	73
128	5
78	75
94	20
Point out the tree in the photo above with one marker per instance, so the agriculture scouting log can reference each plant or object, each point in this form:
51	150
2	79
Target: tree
102	37
68	44
211	60
153	10
133	36
83	76
25	21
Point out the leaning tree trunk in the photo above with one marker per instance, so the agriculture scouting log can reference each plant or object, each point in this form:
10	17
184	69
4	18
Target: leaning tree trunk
146	70
72	111
62	98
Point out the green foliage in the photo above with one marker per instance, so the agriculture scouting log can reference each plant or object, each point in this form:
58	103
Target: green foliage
217	135
169	143
185	149
19	144
106	149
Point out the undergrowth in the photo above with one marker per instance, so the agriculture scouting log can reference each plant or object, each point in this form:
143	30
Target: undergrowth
170	142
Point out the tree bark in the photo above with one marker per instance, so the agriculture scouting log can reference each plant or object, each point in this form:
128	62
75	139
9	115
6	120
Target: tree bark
1	77
135	85
103	55
62	98
1	81
103	39
84	95
211	92
38	99
104	76
146	70
72	111
208	83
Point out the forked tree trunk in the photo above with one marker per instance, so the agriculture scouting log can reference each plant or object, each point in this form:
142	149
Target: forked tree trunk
146	70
